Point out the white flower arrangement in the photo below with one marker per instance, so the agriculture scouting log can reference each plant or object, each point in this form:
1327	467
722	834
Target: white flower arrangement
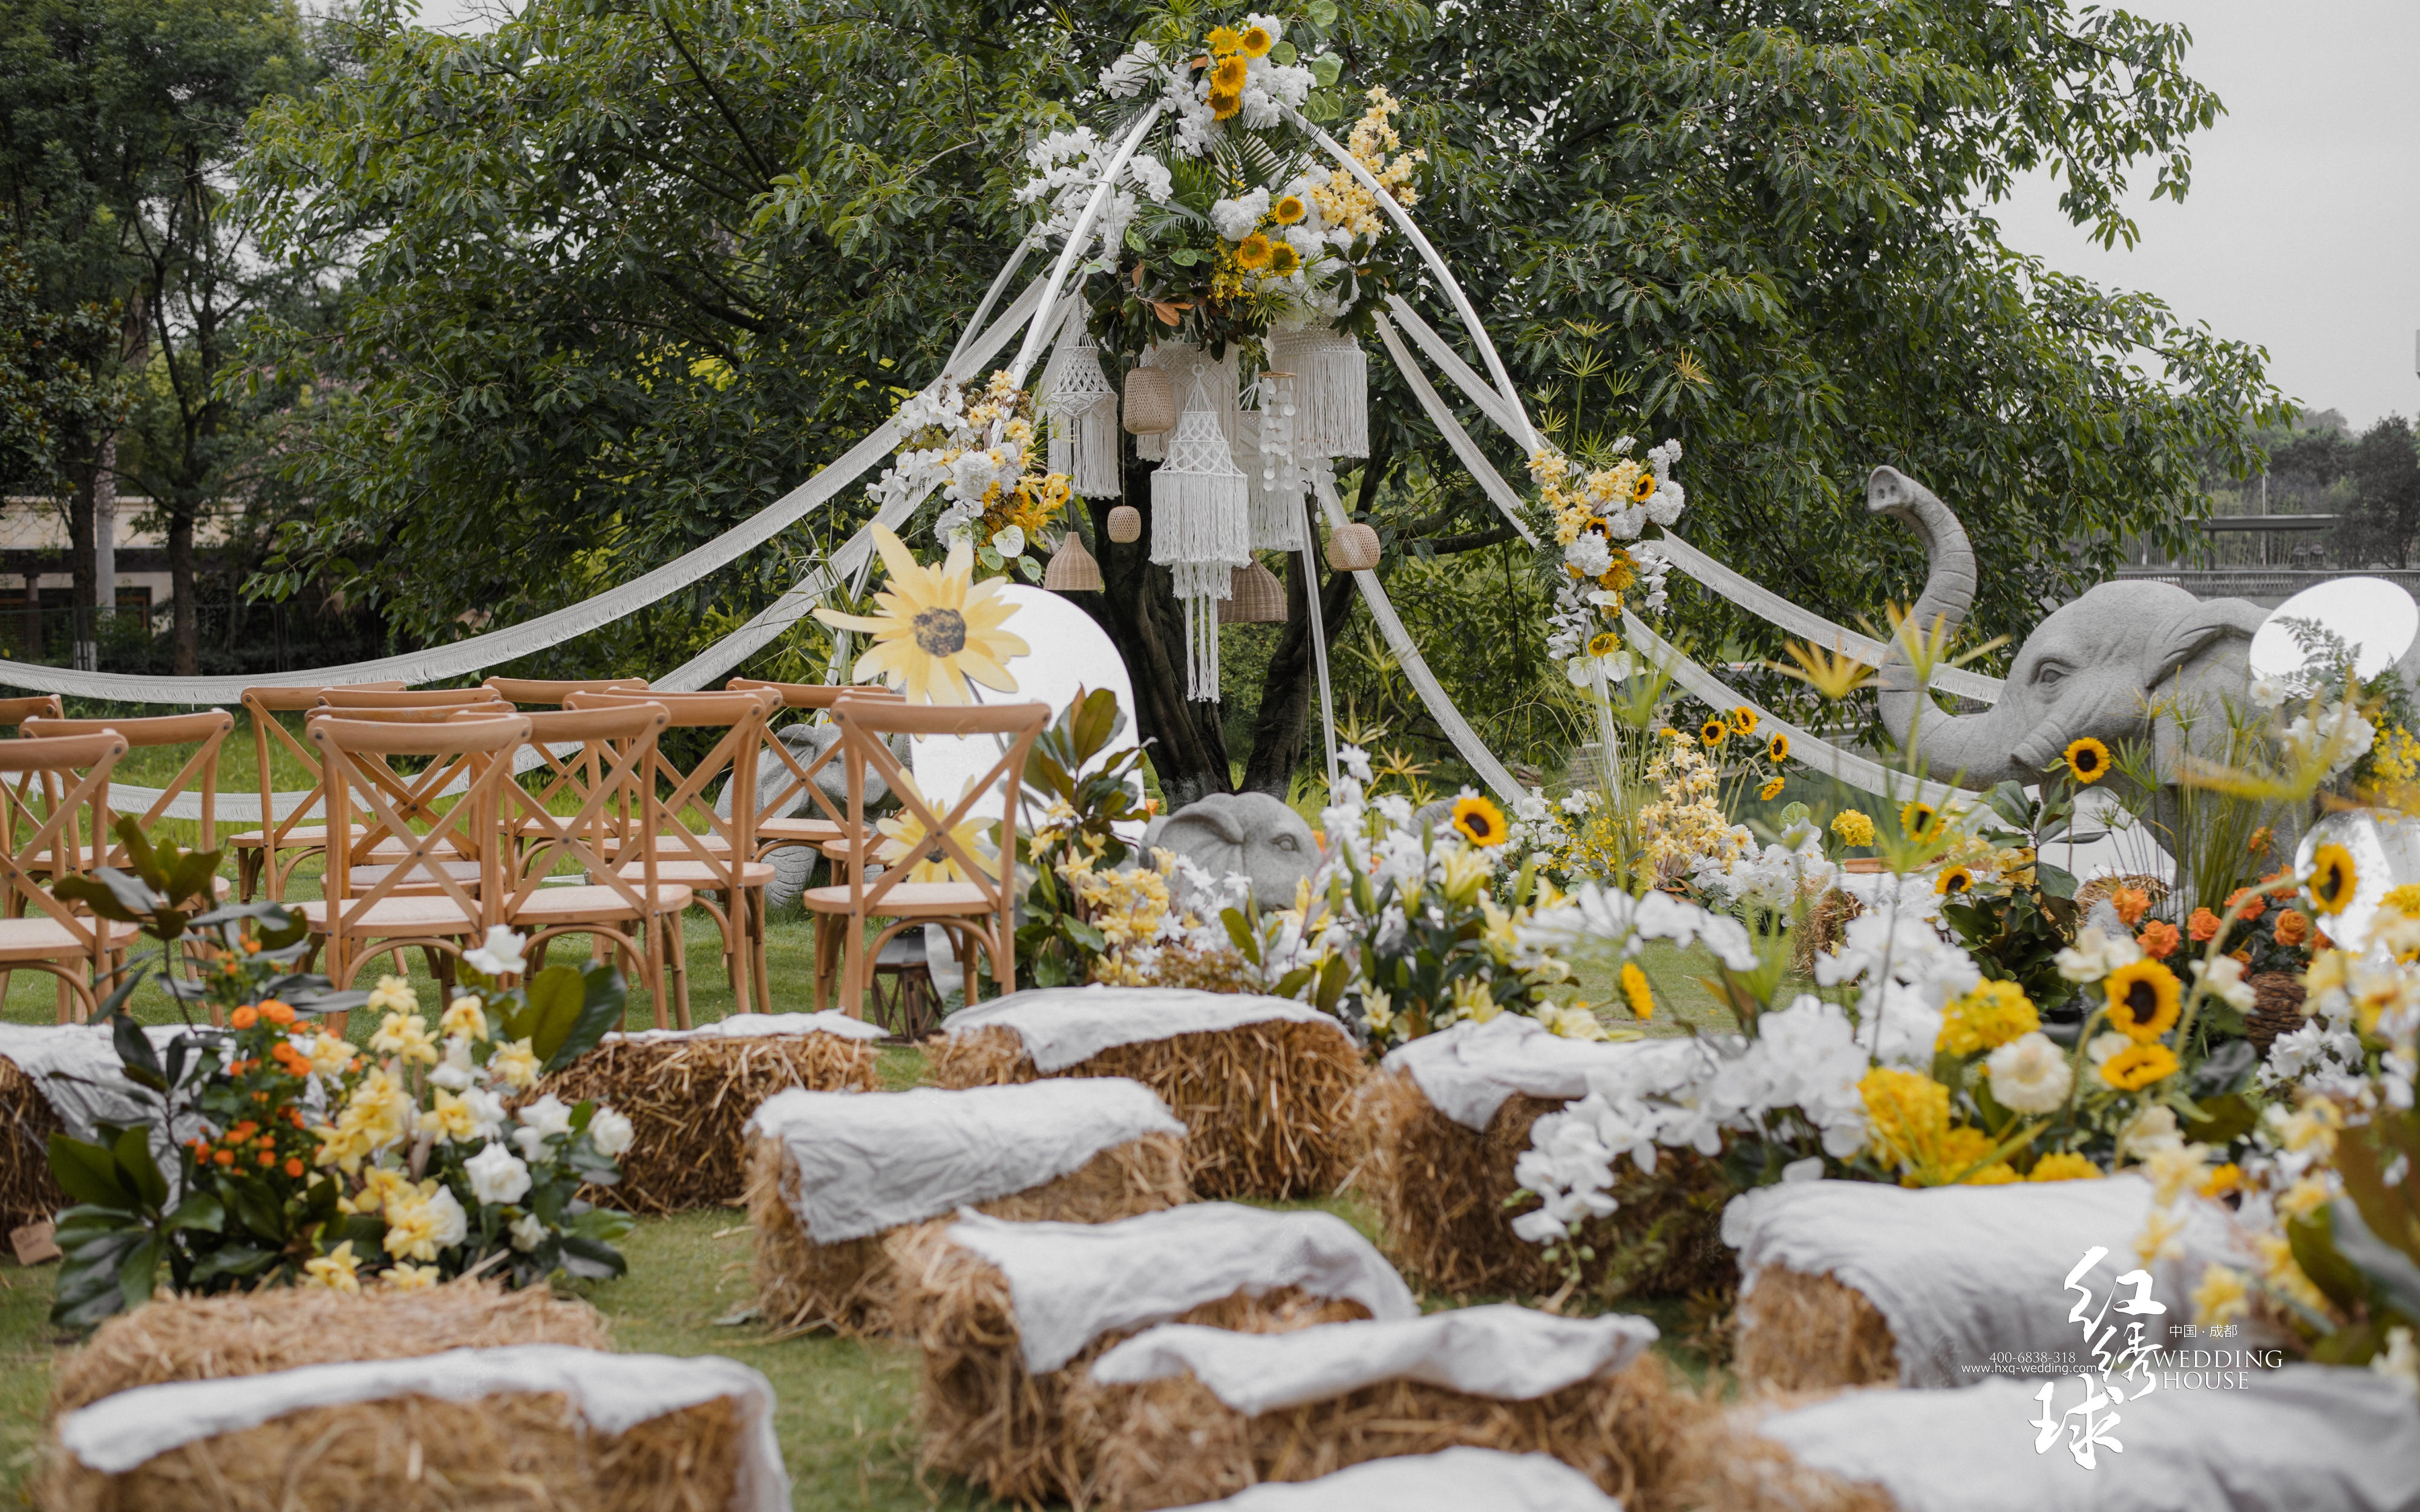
978	449
1602	567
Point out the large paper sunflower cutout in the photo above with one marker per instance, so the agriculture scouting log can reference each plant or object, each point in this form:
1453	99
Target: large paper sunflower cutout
937	631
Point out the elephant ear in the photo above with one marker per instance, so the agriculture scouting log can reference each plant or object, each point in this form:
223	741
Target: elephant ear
2194	628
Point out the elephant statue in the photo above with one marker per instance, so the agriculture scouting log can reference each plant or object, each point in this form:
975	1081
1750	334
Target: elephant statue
2124	661
793	866
1242	834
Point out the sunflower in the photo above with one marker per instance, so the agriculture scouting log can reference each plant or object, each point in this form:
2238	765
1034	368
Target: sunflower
2138	1066
1777	748
1227	78
1635	992
1920	820
2088	760
937	631
1954	881
1252	252
1643	487
1222	40
2333	879
1283	260
1714	731
1288	210
1481	822
1770	790
1255	41
907	838
1604	644
2143	999
1744	721
1225	106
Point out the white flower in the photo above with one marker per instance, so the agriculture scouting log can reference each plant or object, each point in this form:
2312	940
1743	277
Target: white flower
2400	1359
1588	553
2030	1075
500	953
2270	692
1150	176
1130	73
609	1131
1236	218
528	1233
497	1175
547	1116
2340	735
2094	955
1010	541
448	1223
2225	982
456	1072
2154	1129
487	1112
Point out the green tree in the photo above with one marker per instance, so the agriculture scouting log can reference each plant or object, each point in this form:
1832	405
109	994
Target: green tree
2385	516
52	378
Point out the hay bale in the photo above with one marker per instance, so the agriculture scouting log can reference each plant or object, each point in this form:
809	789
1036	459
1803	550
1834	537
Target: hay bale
1799	1333
27	1192
1264	1099
252	1334
689	1094
532	1426
846	1287
1589	1393
1451	1480
1718	1463
991	1409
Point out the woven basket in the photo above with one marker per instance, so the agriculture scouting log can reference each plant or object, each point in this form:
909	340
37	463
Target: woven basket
1255	597
1072	569
1353	547
2101	887
1125	525
1150	402
2276	1008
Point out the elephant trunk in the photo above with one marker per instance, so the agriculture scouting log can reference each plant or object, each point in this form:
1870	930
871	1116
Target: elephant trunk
1948	745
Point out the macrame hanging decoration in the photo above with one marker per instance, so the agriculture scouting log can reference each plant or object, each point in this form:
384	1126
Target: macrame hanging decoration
1332	390
1201	526
1083	412
1275	475
1181	361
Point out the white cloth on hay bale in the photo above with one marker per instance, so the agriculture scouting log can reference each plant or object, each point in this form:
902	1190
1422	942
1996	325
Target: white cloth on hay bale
2305	1438
1963	1272
1451	1480
761	1027
611	1393
1063	1027
1469	1071
1500	1350
1071	1283
871	1161
76	1068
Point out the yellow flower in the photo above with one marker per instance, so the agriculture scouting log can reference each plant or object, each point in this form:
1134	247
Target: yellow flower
2220	1296
1834	677
1852	827
937	629
465	1016
1776	748
1642	488
336	1271
1572	1021
1222	40
2404	900
406	1036
1634	991
1287	211
2143	999
2064	1167
517	1063
393	994
1953	880
2222	1179
1252	252
379	1186
1227	76
1744	721
1909	1113
2162	1238
2088	760
1225	106
1283	260
2333	879
1920	820
2173	1168
2138	1066
406	1276
1714	731
330	1056
906	837
2304	1197
1255	41
1474	999
1770	790
1986	1018
1481	822
1604	644
449	1117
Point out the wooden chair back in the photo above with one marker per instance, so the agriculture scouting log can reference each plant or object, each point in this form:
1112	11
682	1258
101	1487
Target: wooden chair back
357	758
402	698
14	712
36	847
263	706
800	774
205	732
741	718
608	777
866	728
552	691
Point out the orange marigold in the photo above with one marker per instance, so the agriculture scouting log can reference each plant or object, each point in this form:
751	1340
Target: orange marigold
244	1017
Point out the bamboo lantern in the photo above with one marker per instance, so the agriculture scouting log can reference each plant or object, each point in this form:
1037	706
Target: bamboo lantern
1255	597
1353	547
1072	569
1125	524
1151	402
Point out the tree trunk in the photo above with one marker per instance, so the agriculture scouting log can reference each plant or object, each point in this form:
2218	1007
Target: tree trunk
83	474
1137	607
1287	689
181	590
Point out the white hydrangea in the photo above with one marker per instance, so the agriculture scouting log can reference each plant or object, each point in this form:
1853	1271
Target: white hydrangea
1907	971
1236	218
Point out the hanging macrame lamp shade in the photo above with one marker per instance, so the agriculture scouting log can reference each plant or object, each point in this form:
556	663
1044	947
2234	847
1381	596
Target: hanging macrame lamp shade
1271	467
1332	385
1353	547
1083	408
1200	526
1151	402
1125	524
1072	569
1255	597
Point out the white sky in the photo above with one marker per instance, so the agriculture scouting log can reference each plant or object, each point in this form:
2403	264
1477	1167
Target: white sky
2301	230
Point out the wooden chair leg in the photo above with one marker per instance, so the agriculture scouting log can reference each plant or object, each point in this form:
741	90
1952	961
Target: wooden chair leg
676	959
756	934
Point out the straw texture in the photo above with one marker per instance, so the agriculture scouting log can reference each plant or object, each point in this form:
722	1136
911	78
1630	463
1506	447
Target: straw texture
1266	1106
688	1100
1810	1333
1719	1463
848	1286
26	1123
981	1413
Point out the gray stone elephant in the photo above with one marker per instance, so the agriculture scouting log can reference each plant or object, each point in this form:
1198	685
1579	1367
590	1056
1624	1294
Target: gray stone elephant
2124	661
793	866
1242	834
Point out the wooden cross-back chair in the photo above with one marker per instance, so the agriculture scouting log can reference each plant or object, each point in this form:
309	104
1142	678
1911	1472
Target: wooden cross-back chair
554	691
403	698
609	776
776	827
206	732
415	794
36	847
979	911
260	857
417	901
714	859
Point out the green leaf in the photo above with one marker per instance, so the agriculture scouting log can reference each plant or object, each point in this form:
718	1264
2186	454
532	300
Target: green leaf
136	1170
1323	15
554	999
139	1274
603	994
1239	932
1284	54
87	1173
2312	1240
110	894
591	1258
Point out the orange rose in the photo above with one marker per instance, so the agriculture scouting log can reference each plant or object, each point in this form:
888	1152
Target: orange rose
2258	905
244	1017
276	1012
2293	927
2159	939
2242	956
2129	905
2201	926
